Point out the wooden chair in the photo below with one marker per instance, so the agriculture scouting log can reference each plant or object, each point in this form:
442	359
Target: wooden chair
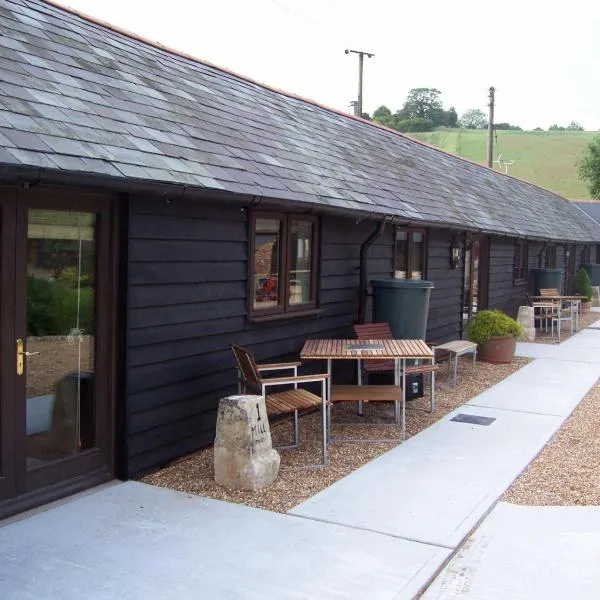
549	292
543	312
285	402
382	331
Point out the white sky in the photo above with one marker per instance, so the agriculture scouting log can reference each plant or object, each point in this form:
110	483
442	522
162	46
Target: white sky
543	57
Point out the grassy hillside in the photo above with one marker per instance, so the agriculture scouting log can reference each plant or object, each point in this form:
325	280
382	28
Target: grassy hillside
546	158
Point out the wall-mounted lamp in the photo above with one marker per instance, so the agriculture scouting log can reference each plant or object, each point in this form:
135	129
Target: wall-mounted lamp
455	252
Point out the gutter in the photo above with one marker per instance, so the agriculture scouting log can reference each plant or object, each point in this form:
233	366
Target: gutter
172	192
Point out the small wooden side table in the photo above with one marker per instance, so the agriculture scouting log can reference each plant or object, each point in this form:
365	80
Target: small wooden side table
456	349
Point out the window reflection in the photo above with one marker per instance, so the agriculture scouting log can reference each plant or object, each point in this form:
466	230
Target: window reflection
61	301
300	291
267	243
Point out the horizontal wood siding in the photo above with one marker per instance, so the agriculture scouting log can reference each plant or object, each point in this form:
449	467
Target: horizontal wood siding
504	293
187	303
445	303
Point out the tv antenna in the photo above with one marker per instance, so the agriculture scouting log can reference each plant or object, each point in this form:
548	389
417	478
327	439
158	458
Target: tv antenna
504	162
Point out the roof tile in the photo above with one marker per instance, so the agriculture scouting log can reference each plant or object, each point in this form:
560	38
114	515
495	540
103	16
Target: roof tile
79	97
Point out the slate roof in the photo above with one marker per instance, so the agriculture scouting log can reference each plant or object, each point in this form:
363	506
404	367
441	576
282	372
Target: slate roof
78	97
590	208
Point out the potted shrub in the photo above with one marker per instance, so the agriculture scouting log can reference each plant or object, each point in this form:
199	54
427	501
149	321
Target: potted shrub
496	335
583	287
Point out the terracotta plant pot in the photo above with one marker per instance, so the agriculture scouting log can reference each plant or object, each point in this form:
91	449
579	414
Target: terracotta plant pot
498	350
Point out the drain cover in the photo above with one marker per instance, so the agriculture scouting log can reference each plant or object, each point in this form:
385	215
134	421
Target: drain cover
473	419
365	346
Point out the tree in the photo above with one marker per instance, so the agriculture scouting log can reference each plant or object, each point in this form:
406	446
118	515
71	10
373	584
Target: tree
383	116
421	103
451	117
574	126
556	127
409	125
507	127
589	167
538	129
474	119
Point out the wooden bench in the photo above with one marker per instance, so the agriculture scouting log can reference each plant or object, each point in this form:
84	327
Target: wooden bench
366	393
370	393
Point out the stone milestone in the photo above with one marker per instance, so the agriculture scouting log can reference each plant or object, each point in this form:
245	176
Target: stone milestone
525	318
244	454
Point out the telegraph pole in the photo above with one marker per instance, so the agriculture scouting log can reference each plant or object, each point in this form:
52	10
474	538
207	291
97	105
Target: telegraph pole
361	55
490	141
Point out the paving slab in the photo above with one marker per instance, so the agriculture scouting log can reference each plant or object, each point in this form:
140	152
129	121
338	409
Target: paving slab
437	485
582	347
563	388
134	541
526	552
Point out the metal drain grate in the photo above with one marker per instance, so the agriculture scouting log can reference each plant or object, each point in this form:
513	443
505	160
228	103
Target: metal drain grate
473	419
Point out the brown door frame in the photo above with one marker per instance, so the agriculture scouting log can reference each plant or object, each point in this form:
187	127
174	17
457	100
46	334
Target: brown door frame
483	269
35	486
7	342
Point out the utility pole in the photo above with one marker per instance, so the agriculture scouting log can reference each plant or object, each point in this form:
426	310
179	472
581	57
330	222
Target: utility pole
490	141
361	54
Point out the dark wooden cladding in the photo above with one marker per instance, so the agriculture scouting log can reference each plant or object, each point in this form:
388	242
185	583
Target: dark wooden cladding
445	302
187	303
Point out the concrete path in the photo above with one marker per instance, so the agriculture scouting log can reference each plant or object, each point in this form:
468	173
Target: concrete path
138	542
526	552
382	532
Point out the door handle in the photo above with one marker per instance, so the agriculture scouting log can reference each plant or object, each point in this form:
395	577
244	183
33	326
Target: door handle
20	355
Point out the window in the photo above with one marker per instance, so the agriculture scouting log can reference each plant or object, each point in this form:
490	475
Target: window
598	254
550	257
585	255
283	263
409	254
520	274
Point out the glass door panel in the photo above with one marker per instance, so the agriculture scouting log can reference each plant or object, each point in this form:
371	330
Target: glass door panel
59	350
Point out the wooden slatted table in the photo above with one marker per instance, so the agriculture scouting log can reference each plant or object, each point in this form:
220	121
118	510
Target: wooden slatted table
574	304
360	349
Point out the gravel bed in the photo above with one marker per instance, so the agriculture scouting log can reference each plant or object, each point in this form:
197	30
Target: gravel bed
567	470
194	473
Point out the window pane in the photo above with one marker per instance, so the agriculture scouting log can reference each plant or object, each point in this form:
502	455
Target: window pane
267	244
401	258
61	306
301	252
417	255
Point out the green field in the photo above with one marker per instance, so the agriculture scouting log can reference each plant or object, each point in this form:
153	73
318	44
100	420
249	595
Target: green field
546	158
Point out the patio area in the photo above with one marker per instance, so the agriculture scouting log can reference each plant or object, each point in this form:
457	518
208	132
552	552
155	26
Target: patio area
382	532
195	473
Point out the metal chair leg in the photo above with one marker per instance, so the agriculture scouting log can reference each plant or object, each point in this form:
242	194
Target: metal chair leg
296	429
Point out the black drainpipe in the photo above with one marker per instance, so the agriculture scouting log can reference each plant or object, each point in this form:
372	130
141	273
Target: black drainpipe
362	286
540	254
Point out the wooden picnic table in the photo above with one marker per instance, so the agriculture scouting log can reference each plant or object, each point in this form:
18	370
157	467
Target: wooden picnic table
362	349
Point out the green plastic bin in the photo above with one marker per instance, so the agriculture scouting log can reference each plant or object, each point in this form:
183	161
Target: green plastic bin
547	278
404	304
593	272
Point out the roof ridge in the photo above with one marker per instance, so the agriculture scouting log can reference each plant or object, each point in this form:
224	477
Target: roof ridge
180	53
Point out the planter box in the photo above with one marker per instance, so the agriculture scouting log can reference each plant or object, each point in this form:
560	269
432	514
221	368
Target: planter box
498	350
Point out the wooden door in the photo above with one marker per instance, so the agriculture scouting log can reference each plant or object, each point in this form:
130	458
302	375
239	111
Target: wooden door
475	292
58	367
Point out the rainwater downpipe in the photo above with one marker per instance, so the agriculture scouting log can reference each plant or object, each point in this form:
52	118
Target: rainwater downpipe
362	286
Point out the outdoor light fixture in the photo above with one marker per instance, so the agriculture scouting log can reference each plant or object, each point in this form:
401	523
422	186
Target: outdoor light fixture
455	252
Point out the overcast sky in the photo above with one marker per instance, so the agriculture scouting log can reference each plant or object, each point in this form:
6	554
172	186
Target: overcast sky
543	57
